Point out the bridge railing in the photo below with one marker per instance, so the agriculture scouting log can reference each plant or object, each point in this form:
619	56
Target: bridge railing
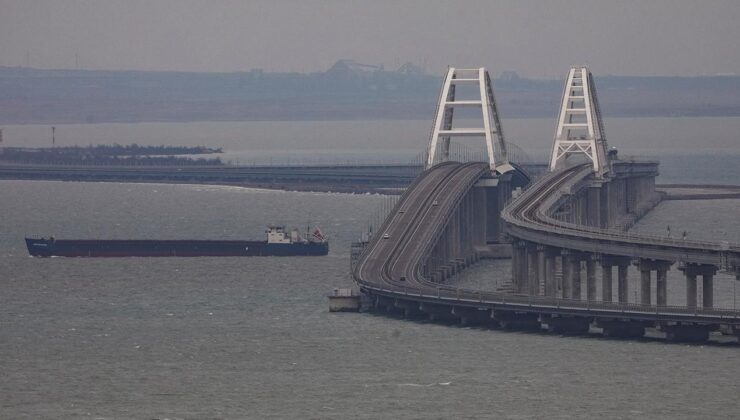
444	292
560	227
546	210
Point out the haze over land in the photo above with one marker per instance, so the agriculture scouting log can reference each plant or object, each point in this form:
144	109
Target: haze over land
537	39
187	60
347	90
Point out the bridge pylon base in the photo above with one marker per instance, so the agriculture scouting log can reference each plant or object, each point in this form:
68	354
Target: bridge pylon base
510	320
437	313
472	316
622	329
688	333
410	309
568	325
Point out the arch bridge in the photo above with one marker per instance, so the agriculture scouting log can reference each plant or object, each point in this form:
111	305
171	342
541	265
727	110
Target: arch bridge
570	222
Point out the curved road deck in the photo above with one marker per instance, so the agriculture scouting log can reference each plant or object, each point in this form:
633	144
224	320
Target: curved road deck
391	266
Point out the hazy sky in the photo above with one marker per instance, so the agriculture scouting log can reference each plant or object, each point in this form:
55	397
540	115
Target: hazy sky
535	38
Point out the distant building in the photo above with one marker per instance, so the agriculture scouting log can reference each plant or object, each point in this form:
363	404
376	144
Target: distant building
350	69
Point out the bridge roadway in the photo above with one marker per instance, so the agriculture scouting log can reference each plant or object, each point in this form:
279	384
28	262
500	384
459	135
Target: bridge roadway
529	218
391	267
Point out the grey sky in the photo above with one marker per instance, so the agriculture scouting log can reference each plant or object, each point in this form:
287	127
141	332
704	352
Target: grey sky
535	38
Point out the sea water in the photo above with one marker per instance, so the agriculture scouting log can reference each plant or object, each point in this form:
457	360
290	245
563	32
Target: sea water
196	338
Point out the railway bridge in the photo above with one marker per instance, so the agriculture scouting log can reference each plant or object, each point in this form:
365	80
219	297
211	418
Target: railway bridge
558	230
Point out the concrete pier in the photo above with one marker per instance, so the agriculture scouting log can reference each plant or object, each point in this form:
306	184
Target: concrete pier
647	266
686	333
533	281
606	282
707	289
622	284
550	279
567	285
567	325
622	329
571	275
691	290
645	286
541	269
590	279
344	300
691	271
661	288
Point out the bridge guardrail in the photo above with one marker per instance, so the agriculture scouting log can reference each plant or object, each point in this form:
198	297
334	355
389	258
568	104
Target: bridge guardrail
493	298
566	228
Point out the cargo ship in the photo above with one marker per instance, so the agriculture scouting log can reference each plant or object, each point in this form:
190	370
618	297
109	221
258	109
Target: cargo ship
279	243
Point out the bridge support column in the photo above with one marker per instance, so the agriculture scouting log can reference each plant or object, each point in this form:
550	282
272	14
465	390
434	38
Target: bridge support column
567	325
622	284
707	289
590	278
622	329
622	263
495	193
575	288
691	290
567	268
661	290
471	316
605	205
661	287
571	275
410	309
533	281
645	286
550	280
691	271
594	206
606	282
436	312
510	320
541	267
519	266
687	333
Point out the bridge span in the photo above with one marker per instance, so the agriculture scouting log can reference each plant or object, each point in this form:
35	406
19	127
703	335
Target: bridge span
433	230
573	219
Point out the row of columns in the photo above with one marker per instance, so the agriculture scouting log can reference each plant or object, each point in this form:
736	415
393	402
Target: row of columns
605	202
638	189
535	272
455	249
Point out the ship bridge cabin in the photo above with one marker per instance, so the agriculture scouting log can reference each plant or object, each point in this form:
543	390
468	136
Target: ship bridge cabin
276	234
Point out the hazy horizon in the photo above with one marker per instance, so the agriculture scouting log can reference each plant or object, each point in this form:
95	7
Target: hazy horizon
536	39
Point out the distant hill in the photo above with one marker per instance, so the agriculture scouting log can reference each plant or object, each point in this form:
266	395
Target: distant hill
347	90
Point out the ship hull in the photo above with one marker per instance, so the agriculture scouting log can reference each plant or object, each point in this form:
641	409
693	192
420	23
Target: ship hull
171	248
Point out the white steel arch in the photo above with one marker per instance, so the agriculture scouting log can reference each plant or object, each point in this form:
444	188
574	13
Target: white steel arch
580	129
443	130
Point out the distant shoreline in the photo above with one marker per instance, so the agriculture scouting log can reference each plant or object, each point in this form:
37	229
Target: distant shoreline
349	118
37	96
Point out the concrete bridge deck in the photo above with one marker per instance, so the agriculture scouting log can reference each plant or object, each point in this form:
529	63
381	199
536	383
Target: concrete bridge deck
529	217
395	266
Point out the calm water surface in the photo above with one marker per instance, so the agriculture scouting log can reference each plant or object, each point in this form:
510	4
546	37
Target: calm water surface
196	338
